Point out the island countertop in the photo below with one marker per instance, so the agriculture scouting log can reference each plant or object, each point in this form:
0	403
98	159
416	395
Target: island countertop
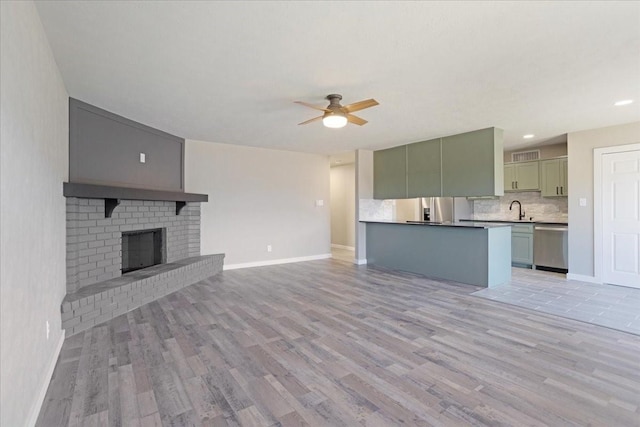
465	224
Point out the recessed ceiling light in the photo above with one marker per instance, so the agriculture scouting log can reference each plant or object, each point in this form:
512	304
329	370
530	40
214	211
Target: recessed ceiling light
528	136
624	102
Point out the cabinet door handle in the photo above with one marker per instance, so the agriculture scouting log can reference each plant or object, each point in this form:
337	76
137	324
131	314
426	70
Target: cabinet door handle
516	184
557	191
561	190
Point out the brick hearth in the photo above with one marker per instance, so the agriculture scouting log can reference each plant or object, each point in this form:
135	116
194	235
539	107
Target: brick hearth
105	300
96	289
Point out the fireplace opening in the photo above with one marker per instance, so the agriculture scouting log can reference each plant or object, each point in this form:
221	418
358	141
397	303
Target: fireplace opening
141	249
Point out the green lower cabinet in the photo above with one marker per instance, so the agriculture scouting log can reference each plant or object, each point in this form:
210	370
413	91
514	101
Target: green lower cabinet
522	244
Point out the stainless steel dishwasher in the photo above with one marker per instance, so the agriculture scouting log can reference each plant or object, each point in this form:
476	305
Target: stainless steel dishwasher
550	246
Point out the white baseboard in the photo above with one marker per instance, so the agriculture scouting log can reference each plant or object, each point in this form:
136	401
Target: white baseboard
349	248
37	405
583	278
360	261
275	262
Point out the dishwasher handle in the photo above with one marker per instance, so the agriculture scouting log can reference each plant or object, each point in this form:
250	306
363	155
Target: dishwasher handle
550	228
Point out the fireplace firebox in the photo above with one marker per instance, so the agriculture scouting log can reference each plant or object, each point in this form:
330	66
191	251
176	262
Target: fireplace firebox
142	249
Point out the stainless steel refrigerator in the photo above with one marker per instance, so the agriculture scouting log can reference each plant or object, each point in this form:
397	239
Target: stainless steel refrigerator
437	209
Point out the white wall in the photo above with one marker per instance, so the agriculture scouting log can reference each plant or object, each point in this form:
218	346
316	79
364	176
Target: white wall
343	205
260	197
364	194
580	147
33	153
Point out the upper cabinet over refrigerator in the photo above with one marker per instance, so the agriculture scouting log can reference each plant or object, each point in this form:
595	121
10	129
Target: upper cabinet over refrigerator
468	164
473	164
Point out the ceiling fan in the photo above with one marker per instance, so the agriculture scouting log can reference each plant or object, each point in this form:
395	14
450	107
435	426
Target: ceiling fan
336	115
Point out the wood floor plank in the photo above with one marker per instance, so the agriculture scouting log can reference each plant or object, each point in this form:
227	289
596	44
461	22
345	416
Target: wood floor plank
147	404
127	394
328	343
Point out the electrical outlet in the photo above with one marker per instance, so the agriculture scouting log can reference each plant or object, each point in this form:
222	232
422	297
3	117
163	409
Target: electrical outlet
143	158
48	330
269	248
583	201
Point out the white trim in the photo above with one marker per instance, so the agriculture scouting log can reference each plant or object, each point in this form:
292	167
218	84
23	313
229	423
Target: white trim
37	405
583	278
275	262
598	154
359	261
349	248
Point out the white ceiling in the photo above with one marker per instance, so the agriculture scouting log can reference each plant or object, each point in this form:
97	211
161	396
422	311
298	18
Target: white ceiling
230	71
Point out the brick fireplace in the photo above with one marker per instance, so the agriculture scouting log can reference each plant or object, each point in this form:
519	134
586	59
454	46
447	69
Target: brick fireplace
100	285
94	243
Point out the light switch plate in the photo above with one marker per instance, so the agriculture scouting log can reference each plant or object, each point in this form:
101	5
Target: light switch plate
583	201
143	158
319	203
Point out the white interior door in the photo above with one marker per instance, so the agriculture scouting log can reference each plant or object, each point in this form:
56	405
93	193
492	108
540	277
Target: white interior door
621	218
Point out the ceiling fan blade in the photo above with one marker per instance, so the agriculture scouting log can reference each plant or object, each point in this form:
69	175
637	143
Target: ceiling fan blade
315	119
315	107
357	106
356	120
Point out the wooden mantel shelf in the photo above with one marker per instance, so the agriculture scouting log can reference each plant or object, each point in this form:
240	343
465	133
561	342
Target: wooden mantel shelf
113	195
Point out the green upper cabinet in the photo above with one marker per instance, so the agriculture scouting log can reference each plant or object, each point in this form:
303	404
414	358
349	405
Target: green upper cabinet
423	169
472	164
390	173
469	164
554	178
524	176
564	176
509	177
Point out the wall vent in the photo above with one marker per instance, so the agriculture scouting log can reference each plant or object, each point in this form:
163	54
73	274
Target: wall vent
523	156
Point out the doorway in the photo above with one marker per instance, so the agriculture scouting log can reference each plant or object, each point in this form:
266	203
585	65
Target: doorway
342	191
617	214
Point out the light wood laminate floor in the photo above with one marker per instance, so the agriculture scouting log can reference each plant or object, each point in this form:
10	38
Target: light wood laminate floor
325	343
342	254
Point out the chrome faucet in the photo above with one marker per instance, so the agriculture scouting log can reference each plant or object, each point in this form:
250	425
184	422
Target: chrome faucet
520	212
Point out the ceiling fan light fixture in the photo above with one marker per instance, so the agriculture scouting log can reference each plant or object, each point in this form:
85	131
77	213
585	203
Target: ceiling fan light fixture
334	120
337	116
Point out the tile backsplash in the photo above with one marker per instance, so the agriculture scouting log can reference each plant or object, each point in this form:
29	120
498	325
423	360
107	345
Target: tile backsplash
533	205
376	210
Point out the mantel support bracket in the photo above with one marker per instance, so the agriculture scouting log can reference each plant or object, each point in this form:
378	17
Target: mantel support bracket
179	206
109	206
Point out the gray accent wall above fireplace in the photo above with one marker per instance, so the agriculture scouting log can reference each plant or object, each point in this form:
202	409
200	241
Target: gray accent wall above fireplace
105	149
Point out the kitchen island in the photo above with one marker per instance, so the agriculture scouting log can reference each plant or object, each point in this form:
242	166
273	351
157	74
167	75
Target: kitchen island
472	253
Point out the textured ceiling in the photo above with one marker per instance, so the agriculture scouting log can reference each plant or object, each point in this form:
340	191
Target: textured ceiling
229	71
